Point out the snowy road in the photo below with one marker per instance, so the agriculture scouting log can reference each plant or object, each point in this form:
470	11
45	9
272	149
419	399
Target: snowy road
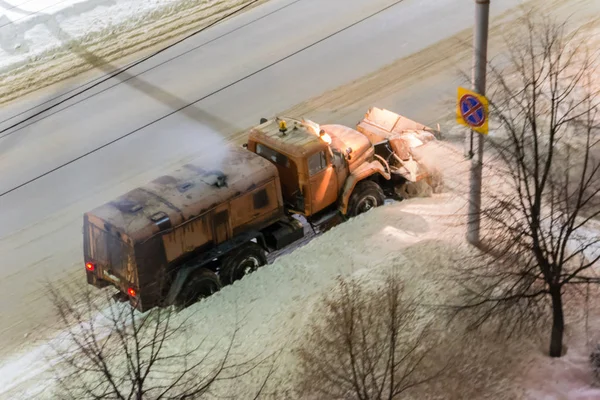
323	44
40	223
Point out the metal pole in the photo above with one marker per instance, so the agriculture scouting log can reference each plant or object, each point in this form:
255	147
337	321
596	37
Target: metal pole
482	16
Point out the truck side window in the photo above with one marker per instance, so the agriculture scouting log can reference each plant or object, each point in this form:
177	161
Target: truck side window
272	155
316	163
261	199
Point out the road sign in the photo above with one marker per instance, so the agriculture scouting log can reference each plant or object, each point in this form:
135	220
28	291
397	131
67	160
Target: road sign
472	110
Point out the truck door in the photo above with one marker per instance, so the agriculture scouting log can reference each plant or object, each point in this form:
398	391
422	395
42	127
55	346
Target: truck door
221	223
288	175
323	181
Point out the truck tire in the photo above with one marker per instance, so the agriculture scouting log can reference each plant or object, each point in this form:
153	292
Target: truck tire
366	195
201	284
242	261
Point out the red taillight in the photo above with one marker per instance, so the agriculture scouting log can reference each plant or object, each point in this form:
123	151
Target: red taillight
90	266
131	292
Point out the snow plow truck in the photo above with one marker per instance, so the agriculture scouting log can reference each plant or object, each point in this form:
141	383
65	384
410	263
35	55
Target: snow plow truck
184	235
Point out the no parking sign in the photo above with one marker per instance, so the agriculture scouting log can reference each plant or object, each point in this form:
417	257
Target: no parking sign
472	110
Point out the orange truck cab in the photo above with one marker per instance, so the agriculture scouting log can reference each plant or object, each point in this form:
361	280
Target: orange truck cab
319	165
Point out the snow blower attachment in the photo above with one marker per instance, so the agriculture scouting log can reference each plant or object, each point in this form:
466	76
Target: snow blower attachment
402	142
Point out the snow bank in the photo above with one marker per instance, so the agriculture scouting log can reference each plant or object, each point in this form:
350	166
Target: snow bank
276	301
29	30
37	362
271	306
420	240
45	41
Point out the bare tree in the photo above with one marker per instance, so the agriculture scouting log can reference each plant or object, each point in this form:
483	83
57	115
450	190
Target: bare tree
545	179
111	351
367	344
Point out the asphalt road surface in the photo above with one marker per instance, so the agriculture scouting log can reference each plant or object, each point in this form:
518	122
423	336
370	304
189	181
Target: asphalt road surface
255	65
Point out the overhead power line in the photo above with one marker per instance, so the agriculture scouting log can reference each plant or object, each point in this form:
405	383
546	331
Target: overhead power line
202	98
129	78
127	68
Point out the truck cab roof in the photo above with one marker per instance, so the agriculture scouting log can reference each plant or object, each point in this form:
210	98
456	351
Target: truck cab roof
301	138
296	141
187	192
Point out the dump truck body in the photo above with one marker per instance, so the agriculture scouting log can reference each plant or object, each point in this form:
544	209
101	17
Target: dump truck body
137	240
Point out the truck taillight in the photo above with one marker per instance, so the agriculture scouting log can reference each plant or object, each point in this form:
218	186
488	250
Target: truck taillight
90	266
131	291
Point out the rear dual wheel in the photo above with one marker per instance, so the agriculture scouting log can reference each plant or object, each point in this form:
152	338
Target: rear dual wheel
242	261
204	282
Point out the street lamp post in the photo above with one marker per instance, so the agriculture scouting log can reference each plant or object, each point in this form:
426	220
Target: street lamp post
480	42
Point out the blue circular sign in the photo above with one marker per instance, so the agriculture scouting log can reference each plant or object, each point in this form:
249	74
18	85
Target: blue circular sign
472	111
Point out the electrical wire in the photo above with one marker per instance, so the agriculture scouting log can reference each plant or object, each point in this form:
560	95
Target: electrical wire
129	78
201	98
118	72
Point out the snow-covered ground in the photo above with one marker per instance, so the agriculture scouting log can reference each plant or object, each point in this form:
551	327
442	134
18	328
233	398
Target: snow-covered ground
412	237
27	28
418	238
421	240
45	41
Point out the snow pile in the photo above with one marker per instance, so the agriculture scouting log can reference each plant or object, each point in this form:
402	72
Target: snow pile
275	302
271	306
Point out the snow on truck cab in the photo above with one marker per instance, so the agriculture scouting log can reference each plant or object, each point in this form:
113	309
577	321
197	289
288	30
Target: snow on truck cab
182	236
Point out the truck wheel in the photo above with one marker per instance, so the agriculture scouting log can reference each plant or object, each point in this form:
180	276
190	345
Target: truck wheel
201	284
244	260
366	195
